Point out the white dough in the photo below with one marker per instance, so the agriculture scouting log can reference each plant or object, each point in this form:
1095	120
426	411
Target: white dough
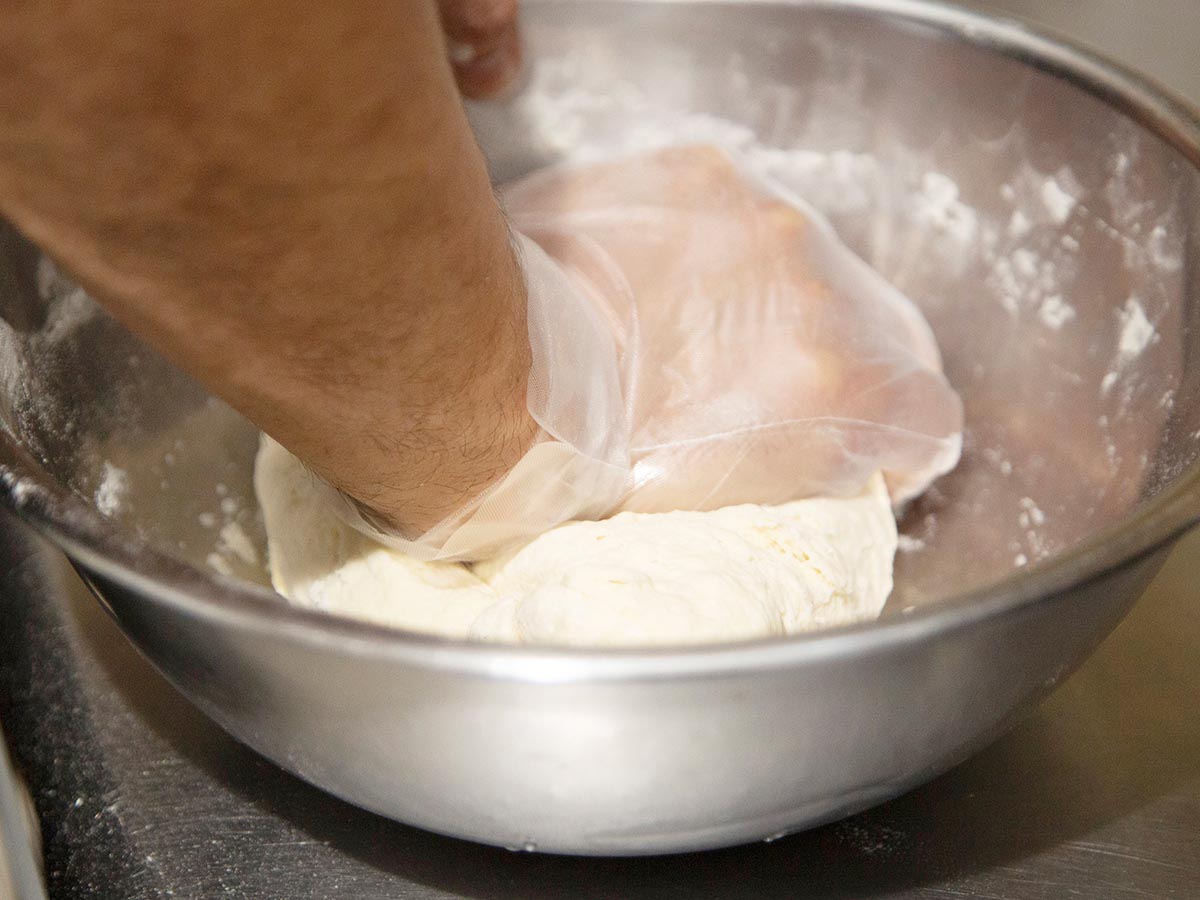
634	579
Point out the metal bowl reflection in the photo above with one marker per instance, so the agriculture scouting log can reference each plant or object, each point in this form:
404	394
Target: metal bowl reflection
1039	204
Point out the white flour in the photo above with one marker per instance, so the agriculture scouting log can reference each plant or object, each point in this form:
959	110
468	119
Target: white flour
1057	201
110	494
1025	243
234	540
23	354
580	120
1049	236
1055	312
233	548
1136	331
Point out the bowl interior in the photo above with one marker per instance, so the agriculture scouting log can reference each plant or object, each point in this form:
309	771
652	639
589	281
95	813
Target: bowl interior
1051	240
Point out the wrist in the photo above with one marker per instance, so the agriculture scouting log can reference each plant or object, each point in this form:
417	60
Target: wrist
454	441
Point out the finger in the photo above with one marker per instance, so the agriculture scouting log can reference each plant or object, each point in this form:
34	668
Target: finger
485	46
485	70
477	21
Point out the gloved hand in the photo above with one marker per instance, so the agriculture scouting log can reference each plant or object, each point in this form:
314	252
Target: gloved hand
701	339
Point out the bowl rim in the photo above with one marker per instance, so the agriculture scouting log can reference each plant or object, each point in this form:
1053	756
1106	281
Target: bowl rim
115	557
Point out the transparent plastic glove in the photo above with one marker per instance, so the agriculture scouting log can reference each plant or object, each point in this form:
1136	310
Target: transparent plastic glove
700	339
761	361
579	468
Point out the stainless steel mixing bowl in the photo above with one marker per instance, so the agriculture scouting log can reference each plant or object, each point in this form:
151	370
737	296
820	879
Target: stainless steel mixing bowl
1042	207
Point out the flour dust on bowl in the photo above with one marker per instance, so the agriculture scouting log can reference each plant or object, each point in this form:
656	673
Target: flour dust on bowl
1039	205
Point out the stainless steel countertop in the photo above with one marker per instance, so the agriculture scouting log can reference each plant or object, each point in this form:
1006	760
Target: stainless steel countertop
1097	795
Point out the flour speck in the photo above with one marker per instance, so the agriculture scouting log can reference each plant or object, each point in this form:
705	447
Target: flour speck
1058	202
1055	312
234	540
112	490
1137	332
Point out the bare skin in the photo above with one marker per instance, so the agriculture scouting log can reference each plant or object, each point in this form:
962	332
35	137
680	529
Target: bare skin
484	44
285	199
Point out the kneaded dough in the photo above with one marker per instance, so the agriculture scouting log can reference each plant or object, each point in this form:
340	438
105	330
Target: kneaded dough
634	579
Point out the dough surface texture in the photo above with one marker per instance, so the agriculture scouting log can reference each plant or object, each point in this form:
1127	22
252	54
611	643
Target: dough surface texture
635	579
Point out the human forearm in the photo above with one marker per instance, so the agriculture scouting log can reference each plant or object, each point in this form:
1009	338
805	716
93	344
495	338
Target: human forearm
286	200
